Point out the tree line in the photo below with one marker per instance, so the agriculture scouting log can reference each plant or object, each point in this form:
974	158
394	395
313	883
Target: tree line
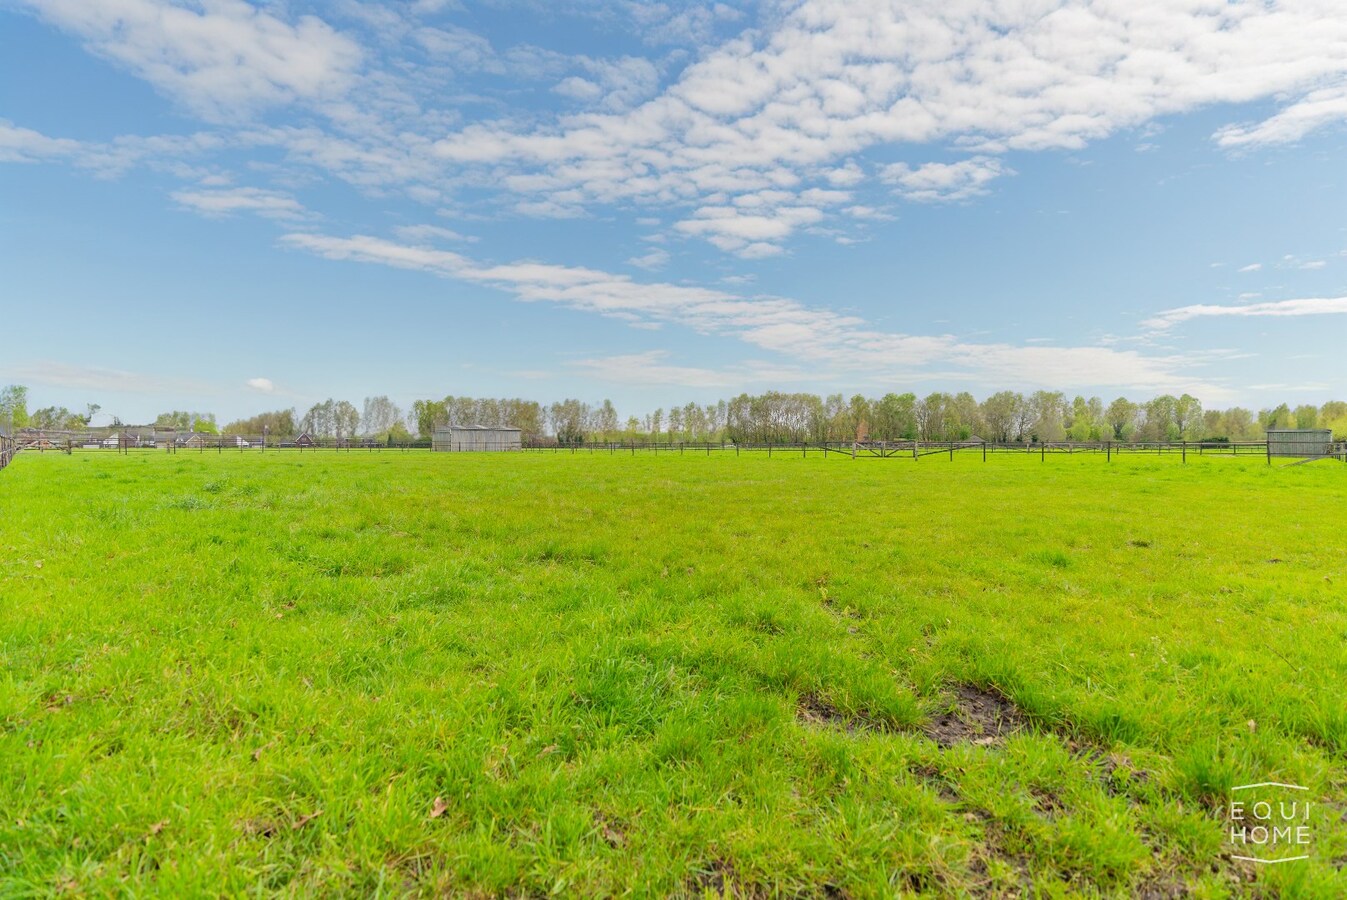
772	417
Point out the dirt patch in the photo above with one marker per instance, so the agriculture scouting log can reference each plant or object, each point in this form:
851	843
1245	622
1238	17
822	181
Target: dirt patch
1121	778
999	873
719	879
816	711
262	828
811	709
1161	890
1047	804
613	832
976	716
935	781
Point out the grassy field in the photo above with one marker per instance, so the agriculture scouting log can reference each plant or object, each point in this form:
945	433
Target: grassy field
574	675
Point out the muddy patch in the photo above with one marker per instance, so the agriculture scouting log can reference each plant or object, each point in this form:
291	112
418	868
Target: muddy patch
811	709
1047	804
611	830
998	872
718	878
975	716
816	711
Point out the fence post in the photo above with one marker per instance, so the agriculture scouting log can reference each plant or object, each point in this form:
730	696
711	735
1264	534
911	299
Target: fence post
1185	453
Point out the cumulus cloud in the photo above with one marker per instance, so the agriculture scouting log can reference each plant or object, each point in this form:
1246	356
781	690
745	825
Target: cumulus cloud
1251	267
655	259
216	203
263	385
945	182
615	84
652	368
787	107
803	334
1277	309
790	107
220	58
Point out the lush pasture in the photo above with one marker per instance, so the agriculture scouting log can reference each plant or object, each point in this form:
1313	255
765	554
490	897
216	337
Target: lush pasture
538	674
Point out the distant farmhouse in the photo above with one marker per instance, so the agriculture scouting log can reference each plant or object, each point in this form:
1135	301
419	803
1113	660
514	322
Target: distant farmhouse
475	438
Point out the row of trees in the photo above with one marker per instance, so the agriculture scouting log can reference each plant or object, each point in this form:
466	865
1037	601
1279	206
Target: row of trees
379	418
772	417
14	413
777	417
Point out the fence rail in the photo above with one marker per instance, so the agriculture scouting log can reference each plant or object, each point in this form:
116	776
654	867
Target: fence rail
910	449
67	442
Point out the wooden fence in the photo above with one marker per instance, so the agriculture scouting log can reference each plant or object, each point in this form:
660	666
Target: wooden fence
917	449
67	442
126	441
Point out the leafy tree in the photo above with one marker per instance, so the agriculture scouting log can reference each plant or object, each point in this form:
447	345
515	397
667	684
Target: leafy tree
1306	416
278	424
1188	417
379	416
1122	418
1277	417
999	412
55	418
346	419
1048	410
14	407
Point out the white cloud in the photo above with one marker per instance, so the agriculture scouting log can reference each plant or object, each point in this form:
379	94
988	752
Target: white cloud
429	234
215	203
650	368
264	385
945	182
23	145
106	158
100	378
790	107
617	83
655	259
1315	110
221	58
1278	308
807	336
1251	267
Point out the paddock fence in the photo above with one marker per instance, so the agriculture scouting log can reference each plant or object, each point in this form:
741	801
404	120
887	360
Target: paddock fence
145	440
916	449
173	442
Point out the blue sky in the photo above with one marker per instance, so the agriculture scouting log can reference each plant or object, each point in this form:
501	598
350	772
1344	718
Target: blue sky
230	206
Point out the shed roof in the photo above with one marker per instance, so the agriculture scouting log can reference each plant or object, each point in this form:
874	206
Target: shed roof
476	428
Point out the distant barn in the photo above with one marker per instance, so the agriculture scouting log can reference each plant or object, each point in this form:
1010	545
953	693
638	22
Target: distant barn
1301	442
469	438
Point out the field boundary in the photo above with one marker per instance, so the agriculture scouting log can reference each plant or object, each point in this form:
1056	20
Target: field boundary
914	450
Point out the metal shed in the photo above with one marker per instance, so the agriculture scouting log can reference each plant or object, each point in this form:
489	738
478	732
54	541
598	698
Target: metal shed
470	438
1299	442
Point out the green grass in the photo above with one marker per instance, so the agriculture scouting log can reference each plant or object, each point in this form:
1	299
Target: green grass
598	665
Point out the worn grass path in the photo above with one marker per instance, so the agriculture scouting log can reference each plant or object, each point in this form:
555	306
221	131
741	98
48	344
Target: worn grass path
576	675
